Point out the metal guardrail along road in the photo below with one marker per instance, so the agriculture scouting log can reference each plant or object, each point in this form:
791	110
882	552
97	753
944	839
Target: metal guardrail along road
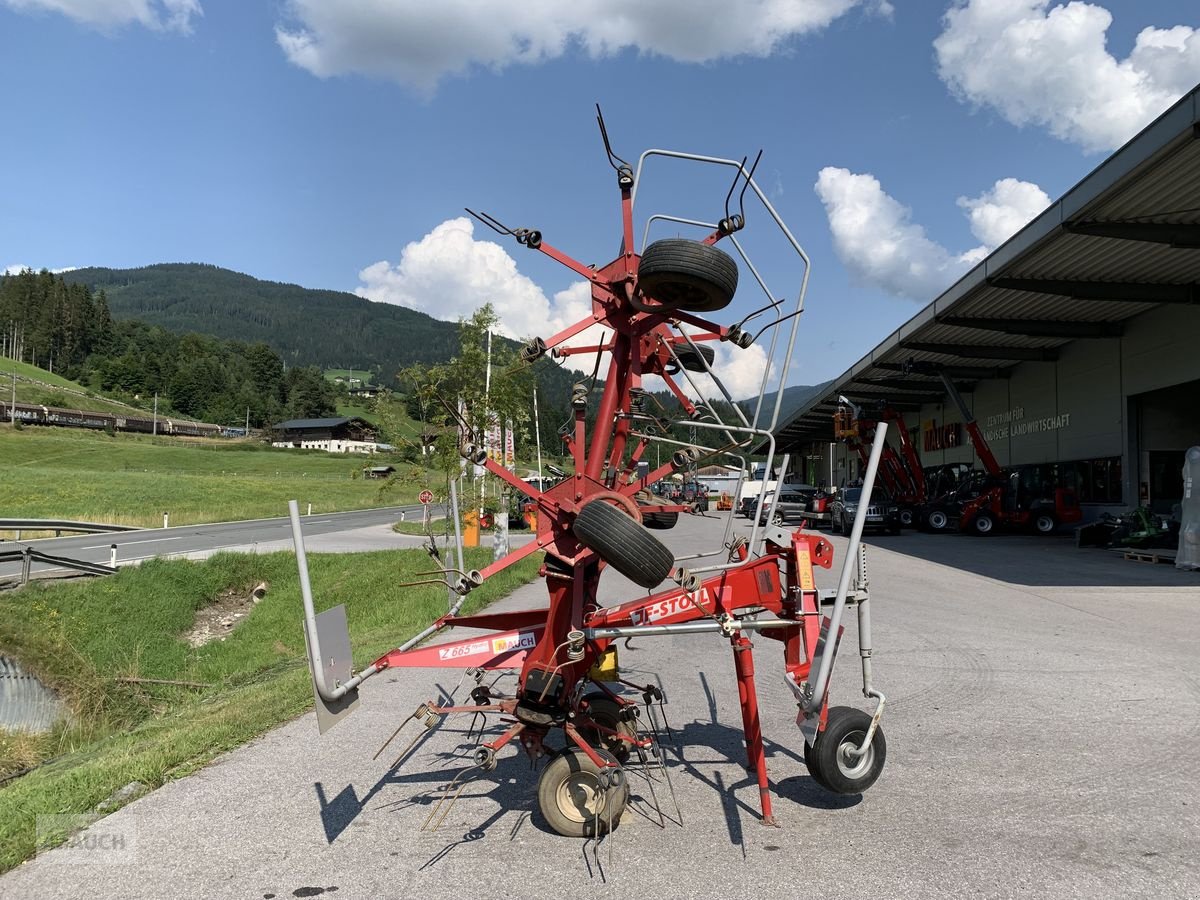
26	556
62	525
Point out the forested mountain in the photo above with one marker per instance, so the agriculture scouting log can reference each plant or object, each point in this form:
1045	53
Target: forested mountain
46	320
330	329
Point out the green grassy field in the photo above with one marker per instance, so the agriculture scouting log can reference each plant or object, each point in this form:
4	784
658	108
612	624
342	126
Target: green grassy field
80	638
133	479
44	388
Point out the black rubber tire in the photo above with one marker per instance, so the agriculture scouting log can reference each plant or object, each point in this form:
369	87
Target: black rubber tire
830	767
813	770
660	520
623	543
564	809
1043	523
607	712
689	359
907	518
937	521
983	525
684	274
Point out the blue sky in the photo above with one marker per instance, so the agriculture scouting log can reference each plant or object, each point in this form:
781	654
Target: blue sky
334	145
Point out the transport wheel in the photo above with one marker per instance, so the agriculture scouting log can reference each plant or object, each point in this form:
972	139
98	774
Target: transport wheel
684	274
577	799
623	543
690	360
906	518
606	711
660	520
937	520
1044	523
829	760
983	524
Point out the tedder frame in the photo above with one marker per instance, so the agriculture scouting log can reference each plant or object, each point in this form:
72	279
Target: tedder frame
651	310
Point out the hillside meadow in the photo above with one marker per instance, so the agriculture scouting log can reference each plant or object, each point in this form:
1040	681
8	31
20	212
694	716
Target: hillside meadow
133	479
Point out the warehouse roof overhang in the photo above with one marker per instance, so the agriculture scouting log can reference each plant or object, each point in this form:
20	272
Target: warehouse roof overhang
1123	241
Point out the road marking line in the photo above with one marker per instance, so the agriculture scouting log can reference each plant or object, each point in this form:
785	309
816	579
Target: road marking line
125	543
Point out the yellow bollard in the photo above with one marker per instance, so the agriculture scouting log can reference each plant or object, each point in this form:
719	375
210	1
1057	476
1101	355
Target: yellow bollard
471	529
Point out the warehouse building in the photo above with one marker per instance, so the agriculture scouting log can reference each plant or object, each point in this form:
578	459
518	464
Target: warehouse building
1075	345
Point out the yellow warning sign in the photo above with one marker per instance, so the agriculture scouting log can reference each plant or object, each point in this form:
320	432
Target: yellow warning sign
806	578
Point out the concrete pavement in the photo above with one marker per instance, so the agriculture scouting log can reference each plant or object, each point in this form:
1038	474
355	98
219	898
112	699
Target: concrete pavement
1040	743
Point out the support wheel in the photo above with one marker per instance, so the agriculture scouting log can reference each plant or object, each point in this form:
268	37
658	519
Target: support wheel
660	520
1044	523
690	359
937	520
830	761
623	543
983	524
906	517
684	274
606	712
577	798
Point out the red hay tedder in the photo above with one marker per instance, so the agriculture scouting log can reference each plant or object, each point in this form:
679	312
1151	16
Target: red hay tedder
651	307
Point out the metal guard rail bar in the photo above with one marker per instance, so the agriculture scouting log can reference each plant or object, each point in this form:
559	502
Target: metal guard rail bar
28	555
62	525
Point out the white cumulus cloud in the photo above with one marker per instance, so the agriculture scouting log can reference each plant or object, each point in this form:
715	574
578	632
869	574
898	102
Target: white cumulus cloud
449	274
1049	67
160	15
420	43
875	238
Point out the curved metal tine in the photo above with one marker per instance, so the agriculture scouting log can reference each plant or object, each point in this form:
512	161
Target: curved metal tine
491	222
742	195
608	146
431	721
399	728
716	380
736	178
778	321
445	794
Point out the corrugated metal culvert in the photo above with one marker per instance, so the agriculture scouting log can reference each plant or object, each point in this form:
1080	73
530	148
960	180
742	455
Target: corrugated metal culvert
25	703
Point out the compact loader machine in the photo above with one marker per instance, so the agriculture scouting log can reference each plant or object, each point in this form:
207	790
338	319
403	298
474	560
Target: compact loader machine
570	710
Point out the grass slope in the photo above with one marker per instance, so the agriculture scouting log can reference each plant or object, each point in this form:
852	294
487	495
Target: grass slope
44	388
133	479
79	638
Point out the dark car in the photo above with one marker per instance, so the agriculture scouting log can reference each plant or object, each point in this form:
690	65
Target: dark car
792	505
883	513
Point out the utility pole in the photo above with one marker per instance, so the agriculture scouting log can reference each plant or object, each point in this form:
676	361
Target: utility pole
13	407
537	430
247	421
154	430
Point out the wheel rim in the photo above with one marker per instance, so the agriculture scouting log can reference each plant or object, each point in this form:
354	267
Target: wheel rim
579	797
906	517
1045	524
983	524
849	766
937	520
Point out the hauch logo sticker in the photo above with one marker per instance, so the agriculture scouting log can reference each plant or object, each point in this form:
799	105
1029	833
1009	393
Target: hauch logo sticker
523	641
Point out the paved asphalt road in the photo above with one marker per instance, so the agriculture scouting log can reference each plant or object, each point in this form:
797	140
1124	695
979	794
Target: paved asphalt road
1042	732
201	539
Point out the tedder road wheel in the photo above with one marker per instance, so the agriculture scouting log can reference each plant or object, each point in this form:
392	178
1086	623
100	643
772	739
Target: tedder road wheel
577	798
983	523
830	761
689	358
937	520
606	712
684	274
660	520
623	543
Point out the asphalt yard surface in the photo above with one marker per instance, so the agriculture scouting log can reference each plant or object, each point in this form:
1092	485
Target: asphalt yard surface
1041	741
